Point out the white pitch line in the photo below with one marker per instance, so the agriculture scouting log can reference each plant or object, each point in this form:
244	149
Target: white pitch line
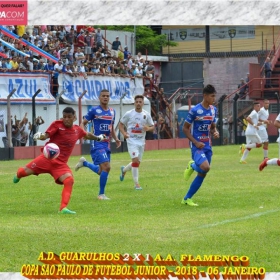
253	216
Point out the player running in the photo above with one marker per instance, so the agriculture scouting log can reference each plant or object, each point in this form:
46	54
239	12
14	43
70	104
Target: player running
253	139
65	135
138	122
103	119
198	127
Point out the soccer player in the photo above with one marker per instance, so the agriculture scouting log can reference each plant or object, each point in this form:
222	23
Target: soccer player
64	134
263	119
103	118
253	139
198	127
138	122
273	161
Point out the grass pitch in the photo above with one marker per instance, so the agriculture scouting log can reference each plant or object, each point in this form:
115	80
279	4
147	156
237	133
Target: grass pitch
238	211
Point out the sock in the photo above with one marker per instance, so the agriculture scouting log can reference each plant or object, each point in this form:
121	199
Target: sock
21	173
135	171
66	192
91	166
265	153
128	167
273	161
103	181
245	154
195	185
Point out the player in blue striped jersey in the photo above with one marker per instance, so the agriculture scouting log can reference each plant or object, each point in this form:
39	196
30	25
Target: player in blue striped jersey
198	127
103	118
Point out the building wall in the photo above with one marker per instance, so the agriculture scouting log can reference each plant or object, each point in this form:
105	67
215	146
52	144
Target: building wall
263	40
225	73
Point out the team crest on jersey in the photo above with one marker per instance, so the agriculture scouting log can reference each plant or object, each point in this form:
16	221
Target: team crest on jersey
98	111
144	117
200	111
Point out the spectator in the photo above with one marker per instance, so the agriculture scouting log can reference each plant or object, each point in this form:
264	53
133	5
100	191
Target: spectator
88	50
16	133
38	122
41	65
126	53
14	64
58	68
163	103
81	40
116	46
139	56
150	70
267	72
242	90
155	132
98	38
49	67
70	36
79	56
161	127
23	128
36	66
139	70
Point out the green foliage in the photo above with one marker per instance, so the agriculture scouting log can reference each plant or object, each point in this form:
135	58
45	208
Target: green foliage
147	40
238	211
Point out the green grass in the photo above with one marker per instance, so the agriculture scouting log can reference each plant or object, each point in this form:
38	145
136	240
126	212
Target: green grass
238	211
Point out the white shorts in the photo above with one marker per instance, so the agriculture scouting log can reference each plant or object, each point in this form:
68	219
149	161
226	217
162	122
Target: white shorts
250	139
136	151
114	53
87	50
263	135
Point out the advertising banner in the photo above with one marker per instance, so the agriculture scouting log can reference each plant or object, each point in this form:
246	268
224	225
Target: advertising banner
117	86
26	85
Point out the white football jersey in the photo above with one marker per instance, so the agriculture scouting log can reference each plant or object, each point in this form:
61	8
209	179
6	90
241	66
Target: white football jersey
135	122
251	130
263	115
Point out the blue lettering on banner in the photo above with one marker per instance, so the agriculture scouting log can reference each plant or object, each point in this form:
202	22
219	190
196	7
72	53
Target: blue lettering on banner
77	87
98	87
24	88
69	89
121	88
127	89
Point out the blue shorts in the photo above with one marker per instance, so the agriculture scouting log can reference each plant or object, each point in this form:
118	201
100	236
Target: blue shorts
199	156
100	155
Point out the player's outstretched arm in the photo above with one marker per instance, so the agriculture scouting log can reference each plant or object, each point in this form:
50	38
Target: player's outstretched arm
98	138
40	136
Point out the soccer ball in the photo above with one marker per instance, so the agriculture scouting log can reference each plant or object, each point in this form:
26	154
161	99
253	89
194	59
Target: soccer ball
51	151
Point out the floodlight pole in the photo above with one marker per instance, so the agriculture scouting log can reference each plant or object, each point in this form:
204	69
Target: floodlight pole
34	114
9	125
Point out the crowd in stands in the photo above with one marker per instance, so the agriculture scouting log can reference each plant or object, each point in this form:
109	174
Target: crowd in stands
22	131
81	50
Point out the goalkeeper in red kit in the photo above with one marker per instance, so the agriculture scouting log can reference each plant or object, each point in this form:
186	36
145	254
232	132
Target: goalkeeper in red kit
65	135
